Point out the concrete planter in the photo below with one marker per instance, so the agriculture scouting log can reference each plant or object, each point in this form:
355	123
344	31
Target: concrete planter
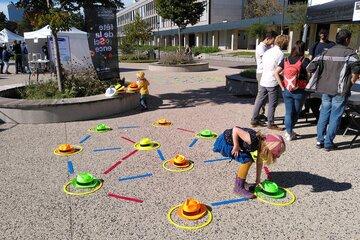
63	110
241	86
194	67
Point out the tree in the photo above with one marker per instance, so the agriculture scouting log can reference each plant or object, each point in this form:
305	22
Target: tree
138	32
3	20
181	12
77	5
256	30
296	13
261	8
57	20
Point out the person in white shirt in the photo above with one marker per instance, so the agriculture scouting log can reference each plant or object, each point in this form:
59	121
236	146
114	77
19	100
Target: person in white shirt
269	86
266	44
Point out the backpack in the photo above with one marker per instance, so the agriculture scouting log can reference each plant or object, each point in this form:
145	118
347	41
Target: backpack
291	74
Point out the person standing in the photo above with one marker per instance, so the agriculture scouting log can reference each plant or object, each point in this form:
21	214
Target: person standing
317	49
261	48
45	50
6	55
295	78
339	70
322	45
25	61
269	86
1	59
18	57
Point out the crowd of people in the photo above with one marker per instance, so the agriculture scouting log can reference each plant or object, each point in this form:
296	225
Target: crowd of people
332	66
19	51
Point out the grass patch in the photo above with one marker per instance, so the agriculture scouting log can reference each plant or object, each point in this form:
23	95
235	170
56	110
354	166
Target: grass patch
246	54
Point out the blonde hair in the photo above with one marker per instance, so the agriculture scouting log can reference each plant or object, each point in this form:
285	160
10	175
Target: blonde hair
140	75
282	41
264	153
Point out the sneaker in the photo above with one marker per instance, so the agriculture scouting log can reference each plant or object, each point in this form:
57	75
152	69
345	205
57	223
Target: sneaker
319	145
288	137
263	118
256	124
275	127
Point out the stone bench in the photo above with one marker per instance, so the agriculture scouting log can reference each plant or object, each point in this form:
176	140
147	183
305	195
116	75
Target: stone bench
241	86
63	110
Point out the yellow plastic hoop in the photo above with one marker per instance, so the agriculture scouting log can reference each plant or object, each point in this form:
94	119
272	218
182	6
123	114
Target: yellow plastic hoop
81	193
189	228
292	200
58	153
177	170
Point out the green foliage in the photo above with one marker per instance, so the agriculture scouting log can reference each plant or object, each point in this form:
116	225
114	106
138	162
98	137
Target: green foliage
139	31
249	73
262	8
203	49
296	13
3	20
57	20
256	30
181	12
244	54
77	5
76	84
175	58
353	28
126	47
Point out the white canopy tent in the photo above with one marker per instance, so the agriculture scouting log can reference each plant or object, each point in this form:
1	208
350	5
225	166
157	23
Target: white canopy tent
74	46
6	36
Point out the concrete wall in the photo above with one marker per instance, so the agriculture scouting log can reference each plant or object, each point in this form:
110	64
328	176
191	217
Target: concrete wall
230	10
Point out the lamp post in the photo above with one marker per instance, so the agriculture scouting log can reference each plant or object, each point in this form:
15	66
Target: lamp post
158	39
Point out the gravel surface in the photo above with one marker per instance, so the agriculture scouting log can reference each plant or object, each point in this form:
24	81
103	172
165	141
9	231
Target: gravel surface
33	205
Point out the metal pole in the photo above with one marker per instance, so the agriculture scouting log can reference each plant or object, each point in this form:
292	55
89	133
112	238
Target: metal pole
158	39
282	18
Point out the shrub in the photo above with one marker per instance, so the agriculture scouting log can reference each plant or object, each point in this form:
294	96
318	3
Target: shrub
249	73
198	50
76	83
176	58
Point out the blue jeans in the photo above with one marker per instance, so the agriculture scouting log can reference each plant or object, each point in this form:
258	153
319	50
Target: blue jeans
332	109
293	105
143	102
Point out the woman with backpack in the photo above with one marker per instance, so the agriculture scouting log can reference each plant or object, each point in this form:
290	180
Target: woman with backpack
293	82
6	55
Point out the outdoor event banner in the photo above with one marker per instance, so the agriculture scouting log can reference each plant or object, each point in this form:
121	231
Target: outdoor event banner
103	42
64	48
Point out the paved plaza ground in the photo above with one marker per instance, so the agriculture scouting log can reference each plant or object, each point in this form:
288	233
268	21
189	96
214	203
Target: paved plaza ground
33	205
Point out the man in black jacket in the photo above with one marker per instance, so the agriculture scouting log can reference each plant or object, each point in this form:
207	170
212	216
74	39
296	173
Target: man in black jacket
18	57
339	70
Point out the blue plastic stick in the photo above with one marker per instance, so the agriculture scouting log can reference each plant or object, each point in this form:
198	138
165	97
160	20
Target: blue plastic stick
216	160
129	127
161	156
70	167
135	177
106	149
193	142
231	201
84	138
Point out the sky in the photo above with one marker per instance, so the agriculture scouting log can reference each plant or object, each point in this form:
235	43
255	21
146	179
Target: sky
4	3
3	6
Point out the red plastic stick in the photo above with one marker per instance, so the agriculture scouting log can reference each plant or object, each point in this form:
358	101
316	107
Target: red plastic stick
128	139
112	167
125	198
185	130
129	155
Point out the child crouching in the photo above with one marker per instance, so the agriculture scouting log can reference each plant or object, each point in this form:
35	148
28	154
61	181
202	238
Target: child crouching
245	145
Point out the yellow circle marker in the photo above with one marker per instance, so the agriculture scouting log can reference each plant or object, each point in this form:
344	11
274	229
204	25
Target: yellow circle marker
290	202
156	124
81	193
190	228
177	170
78	149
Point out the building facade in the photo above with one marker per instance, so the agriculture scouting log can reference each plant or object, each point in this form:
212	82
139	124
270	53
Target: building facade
15	14
222	25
